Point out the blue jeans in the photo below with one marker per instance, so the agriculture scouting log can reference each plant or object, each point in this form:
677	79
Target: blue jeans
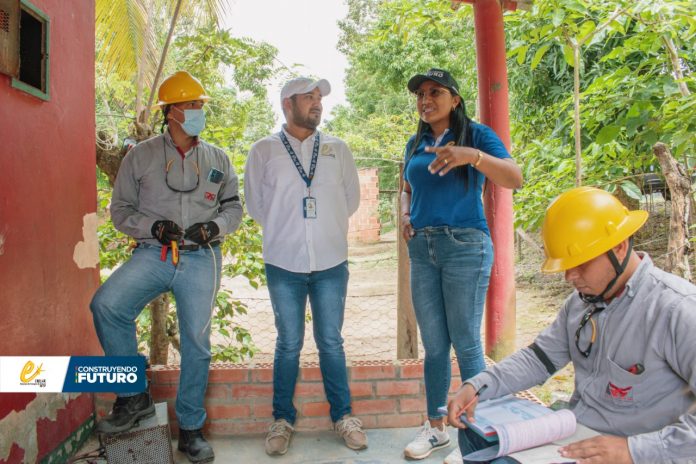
470	441
194	282
450	270
327	297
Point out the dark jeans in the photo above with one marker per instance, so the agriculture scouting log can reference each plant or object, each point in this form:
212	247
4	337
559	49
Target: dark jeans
326	291
470	441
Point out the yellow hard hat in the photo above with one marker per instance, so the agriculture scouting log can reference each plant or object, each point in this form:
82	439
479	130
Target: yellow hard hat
583	223
180	87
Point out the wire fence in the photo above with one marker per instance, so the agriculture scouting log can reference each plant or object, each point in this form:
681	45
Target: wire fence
369	328
370	320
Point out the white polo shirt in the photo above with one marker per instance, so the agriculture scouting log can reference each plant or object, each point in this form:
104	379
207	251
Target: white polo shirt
274	192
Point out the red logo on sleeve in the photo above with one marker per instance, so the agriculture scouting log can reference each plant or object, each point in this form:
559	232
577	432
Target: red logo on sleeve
210	196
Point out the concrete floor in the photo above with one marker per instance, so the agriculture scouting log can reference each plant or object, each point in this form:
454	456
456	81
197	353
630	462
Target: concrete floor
325	447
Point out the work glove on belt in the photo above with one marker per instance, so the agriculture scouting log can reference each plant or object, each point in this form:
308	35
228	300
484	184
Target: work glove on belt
166	232
202	232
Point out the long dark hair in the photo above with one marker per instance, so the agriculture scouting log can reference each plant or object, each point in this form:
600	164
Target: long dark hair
460	125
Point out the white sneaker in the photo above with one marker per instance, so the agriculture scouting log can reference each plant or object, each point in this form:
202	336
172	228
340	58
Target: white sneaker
428	439
455	457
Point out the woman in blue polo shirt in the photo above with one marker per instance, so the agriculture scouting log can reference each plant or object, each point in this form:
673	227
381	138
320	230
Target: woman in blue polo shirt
447	163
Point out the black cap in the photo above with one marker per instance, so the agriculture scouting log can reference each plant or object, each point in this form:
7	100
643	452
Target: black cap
440	76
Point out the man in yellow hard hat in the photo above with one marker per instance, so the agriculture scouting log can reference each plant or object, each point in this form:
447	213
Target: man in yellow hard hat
629	331
177	196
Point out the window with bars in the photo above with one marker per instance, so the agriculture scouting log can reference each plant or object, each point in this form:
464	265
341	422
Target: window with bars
24	46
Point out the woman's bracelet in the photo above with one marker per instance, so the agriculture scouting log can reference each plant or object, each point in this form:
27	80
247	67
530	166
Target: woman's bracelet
479	157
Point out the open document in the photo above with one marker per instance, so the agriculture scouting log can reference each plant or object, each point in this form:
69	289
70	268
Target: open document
521	427
501	411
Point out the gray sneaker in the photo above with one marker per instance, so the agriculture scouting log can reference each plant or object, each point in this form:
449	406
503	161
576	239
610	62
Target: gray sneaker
428	439
278	437
350	429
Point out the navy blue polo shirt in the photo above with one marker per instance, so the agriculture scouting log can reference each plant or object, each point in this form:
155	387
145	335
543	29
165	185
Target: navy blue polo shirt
449	200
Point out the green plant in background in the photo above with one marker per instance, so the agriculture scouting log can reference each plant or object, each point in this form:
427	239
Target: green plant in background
239	346
630	94
113	245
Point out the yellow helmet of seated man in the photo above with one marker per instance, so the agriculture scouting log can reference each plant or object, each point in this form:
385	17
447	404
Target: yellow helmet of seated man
584	223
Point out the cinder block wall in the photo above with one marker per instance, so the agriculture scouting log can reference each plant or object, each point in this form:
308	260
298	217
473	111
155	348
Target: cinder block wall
364	224
385	394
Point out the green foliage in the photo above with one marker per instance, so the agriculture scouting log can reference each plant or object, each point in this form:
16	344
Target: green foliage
205	51
142	328
130	33
629	96
246	247
239	346
387	42
113	245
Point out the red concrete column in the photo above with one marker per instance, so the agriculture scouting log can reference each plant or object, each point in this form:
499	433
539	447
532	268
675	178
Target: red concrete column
493	106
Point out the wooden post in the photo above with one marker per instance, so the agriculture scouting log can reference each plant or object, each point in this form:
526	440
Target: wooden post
406	326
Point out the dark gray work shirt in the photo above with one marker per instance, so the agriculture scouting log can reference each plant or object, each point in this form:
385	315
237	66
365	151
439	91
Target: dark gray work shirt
200	187
651	324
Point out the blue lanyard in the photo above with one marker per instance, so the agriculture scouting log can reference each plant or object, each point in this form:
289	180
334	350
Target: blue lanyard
298	165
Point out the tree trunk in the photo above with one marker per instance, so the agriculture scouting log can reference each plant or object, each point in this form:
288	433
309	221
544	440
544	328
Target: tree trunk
159	346
144	117
678	247
628	202
108	156
576	113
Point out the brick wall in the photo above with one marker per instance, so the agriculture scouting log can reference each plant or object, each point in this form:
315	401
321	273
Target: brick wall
364	224
239	399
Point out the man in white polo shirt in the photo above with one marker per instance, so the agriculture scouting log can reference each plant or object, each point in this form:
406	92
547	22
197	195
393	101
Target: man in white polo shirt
302	186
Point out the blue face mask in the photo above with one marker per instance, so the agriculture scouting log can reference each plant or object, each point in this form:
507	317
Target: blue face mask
194	122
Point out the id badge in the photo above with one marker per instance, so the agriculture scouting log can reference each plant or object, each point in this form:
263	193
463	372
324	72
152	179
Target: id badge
309	207
215	176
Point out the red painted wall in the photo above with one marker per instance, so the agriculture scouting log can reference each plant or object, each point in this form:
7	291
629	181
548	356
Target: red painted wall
47	186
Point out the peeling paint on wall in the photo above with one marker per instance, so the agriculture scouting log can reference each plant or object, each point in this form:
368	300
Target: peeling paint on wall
86	253
20	426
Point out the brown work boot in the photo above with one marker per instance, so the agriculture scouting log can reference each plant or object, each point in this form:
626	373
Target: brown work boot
350	429
278	437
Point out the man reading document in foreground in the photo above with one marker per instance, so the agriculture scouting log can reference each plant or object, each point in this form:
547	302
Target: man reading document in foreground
628	330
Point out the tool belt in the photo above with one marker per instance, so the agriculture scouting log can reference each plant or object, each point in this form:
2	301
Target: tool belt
191	247
195	247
